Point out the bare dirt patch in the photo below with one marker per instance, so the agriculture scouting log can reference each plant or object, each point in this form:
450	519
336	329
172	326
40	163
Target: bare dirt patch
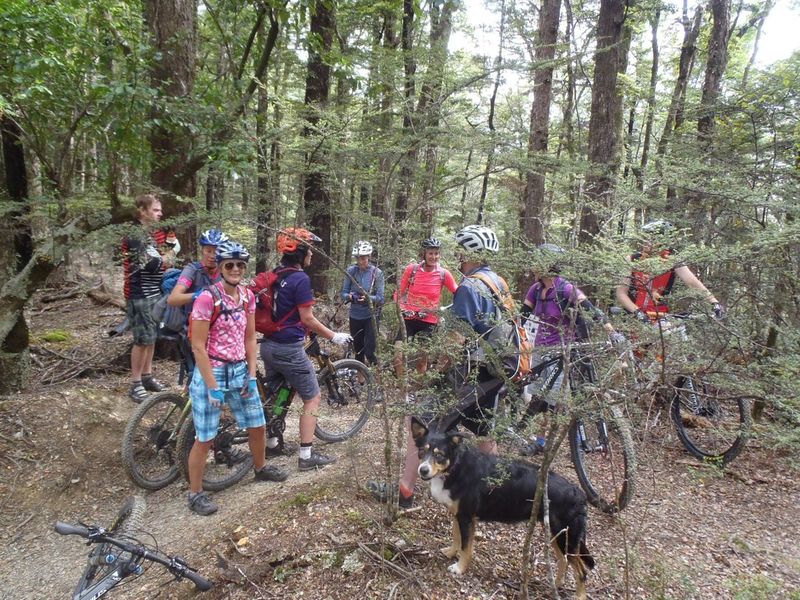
691	532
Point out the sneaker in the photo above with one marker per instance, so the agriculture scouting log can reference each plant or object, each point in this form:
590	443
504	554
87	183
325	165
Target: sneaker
276	452
534	448
151	384
201	504
317	461
137	393
270	473
381	492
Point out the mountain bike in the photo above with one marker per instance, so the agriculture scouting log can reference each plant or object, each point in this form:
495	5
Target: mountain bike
348	398
150	442
712	423
601	446
116	554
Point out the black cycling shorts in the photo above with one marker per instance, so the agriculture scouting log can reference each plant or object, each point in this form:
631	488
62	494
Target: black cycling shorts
414	327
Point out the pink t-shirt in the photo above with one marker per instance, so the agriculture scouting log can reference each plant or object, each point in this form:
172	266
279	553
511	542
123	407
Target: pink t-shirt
226	336
425	291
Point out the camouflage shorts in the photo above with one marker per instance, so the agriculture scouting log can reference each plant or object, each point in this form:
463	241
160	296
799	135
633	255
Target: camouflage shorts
143	324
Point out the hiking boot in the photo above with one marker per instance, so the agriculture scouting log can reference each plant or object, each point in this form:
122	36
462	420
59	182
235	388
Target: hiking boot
201	504
382	492
151	384
276	452
270	473
137	393
316	461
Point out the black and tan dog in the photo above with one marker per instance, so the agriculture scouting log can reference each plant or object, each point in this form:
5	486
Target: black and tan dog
477	486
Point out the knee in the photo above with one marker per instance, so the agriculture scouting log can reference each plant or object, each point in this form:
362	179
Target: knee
310	406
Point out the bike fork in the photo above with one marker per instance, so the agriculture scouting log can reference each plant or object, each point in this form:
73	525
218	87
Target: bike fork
602	437
694	401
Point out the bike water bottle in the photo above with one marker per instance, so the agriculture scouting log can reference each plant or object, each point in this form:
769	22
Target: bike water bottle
281	400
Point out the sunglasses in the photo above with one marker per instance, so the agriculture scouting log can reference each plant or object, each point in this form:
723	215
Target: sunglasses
228	266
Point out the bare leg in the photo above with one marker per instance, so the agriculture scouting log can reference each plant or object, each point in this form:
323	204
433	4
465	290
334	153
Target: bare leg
409	477
138	356
147	359
257	440
197	464
308	419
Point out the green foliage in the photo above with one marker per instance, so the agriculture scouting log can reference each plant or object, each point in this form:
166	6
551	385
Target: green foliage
57	336
755	587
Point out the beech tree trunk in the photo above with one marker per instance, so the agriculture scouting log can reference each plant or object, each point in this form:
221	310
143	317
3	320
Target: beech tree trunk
651	104
533	211
605	123
408	161
316	196
716	63
691	30
431	104
14	335
172	26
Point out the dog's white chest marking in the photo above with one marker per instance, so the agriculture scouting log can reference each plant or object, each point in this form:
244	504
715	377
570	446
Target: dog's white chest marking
441	495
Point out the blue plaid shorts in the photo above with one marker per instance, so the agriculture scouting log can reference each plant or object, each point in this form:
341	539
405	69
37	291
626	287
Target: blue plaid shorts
248	411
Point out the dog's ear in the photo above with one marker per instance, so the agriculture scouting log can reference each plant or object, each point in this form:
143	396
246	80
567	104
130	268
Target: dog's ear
418	429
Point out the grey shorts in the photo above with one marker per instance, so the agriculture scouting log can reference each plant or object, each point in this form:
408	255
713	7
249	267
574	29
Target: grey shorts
291	362
143	324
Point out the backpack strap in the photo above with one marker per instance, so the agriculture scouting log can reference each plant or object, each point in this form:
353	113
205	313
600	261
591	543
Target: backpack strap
404	295
502	298
216	296
416	268
561	297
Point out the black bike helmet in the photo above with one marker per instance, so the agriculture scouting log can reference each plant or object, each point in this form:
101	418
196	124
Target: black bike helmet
431	242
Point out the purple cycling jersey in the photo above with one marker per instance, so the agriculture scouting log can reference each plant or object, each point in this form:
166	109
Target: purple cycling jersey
554	327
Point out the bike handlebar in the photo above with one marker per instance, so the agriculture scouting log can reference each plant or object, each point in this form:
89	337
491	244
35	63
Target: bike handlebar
174	565
67	529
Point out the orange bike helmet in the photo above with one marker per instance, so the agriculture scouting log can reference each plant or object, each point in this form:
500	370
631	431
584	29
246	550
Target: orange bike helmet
291	238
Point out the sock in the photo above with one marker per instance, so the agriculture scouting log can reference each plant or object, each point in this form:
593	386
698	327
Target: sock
272	442
137	382
305	451
147	375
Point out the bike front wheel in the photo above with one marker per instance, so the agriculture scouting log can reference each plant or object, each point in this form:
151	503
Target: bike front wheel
125	524
602	451
229	458
712	425
348	397
149	441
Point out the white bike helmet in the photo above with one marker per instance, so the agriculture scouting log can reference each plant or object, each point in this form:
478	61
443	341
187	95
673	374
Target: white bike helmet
362	248
478	237
659	227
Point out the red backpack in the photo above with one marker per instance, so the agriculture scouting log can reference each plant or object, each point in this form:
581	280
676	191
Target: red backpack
263	286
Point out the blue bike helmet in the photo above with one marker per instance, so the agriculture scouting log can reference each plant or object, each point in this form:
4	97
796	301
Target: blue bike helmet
229	250
212	237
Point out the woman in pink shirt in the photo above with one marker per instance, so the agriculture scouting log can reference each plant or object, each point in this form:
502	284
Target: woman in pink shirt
418	295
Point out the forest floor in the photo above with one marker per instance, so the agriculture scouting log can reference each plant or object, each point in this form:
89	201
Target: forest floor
690	532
